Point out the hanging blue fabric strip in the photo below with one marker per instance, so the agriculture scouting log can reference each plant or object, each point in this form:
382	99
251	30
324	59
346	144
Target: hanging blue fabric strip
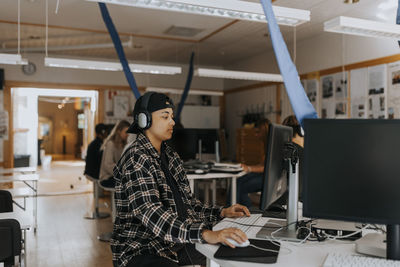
186	90
398	17
301	105
118	47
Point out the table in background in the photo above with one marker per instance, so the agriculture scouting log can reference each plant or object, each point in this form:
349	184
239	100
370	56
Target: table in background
31	181
213	176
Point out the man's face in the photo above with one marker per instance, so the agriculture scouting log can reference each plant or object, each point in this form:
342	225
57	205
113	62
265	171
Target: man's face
162	124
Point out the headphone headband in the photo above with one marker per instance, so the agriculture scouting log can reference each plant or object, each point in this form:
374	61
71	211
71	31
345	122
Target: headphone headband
145	101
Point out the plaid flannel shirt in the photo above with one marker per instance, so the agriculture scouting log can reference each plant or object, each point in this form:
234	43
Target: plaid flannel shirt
147	219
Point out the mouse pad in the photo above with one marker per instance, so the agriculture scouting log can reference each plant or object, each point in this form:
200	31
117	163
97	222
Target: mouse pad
250	254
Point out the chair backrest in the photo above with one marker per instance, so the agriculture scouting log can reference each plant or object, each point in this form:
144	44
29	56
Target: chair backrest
6	203
10	245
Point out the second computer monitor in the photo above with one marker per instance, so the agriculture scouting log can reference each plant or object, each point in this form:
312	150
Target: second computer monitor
275	168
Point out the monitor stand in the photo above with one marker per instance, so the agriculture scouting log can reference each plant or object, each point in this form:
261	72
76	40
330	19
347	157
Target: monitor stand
287	233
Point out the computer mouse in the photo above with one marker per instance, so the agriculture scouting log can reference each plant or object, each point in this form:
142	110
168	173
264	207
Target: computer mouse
198	171
239	245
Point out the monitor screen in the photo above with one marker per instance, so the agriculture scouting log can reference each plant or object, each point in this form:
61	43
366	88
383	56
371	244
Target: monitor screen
185	142
275	169
351	170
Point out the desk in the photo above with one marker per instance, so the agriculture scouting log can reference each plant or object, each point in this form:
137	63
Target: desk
304	255
18	170
213	176
25	221
26	179
291	254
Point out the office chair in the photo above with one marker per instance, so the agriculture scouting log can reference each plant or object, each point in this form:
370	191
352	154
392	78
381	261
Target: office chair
10	242
6	202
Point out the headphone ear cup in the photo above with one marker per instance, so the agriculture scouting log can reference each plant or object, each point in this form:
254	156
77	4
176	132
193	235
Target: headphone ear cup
142	120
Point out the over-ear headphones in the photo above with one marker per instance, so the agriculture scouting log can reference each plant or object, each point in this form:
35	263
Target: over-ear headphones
143	117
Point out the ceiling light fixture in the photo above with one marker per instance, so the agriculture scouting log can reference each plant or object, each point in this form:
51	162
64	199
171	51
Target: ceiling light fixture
13	59
109	66
238	75
180	91
362	27
232	9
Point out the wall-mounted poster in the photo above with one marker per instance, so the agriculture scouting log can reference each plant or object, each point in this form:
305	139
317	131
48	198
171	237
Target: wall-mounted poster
377	92
393	99
328	109
358	93
312	89
121	106
341	85
341	110
327	86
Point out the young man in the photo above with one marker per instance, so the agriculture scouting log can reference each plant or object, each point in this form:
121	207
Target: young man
158	219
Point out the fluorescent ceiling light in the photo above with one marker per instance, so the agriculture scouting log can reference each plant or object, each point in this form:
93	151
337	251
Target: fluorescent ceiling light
109	66
388	5
362	27
232	9
238	75
13	59
180	91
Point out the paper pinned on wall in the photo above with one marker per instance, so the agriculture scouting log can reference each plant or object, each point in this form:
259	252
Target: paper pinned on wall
394	90
377	92
358	93
328	109
4	125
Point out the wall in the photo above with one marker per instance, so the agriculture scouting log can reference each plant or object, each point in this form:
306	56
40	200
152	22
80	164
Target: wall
320	52
317	53
64	123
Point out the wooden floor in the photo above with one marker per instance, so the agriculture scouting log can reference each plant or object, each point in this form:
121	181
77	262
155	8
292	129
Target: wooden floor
64	237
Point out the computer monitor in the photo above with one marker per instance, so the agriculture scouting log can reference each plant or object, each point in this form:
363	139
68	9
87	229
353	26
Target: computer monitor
275	167
278	179
351	173
186	142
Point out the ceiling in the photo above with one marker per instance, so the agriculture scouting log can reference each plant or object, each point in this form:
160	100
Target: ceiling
77	30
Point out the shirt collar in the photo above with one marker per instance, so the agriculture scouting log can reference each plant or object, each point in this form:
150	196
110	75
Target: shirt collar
145	142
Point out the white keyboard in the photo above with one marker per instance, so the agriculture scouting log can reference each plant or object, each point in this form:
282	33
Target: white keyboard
336	259
238	223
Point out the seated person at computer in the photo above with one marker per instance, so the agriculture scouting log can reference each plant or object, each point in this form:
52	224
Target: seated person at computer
252	181
158	220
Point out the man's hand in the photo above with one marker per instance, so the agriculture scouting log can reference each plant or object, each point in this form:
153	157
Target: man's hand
214	237
235	211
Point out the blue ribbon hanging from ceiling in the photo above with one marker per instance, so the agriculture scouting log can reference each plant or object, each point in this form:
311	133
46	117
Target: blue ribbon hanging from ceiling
120	50
301	105
186	90
398	17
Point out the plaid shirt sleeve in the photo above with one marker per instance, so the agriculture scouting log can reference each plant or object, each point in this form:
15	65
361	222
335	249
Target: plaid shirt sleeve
210	213
144	200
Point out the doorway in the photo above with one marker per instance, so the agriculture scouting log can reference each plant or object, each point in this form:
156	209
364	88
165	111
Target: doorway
59	122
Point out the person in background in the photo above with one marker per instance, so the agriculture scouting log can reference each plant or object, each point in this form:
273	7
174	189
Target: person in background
158	219
252	181
112	150
93	154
